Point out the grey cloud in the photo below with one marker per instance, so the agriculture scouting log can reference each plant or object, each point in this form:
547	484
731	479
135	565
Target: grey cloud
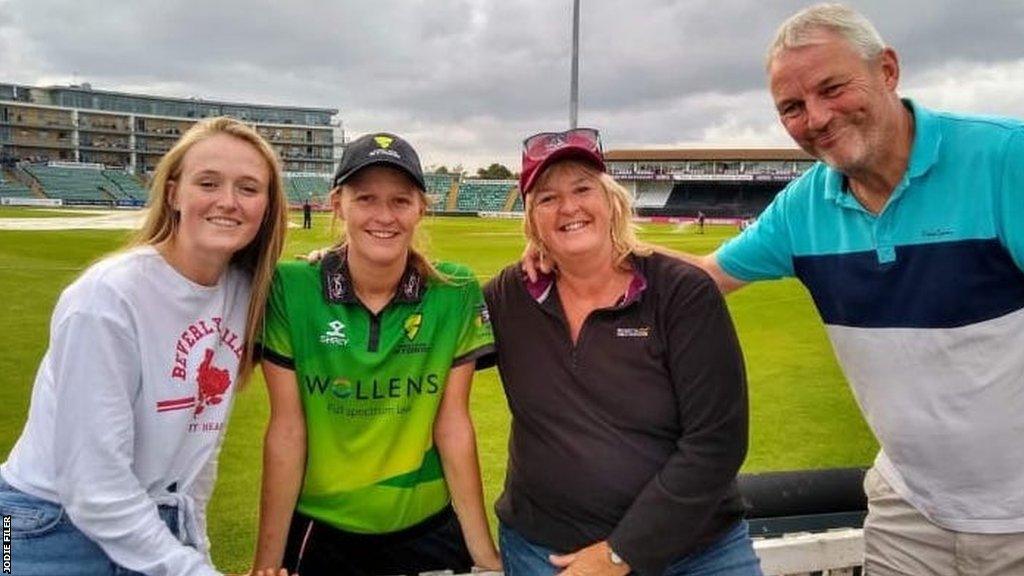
471	77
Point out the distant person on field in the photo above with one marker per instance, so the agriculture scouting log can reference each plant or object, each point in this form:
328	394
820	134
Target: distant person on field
909	235
626	385
370	458
115	466
700	221
307	215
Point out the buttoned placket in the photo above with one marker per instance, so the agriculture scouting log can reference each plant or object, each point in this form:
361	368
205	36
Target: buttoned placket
882	224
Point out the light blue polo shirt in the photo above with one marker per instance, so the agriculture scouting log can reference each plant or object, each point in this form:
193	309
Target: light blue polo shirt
924	305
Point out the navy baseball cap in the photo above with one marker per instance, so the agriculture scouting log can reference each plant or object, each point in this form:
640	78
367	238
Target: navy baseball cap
379	148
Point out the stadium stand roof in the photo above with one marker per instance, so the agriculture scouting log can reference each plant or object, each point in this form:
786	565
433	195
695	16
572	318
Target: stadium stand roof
88	89
683	154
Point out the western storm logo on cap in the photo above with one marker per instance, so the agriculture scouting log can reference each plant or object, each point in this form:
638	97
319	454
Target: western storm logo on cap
383	141
383	152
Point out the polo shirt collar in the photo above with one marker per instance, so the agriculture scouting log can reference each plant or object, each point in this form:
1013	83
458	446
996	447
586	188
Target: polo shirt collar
541	289
924	152
337	281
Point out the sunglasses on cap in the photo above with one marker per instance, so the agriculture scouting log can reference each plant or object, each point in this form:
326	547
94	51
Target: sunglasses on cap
541	144
541	149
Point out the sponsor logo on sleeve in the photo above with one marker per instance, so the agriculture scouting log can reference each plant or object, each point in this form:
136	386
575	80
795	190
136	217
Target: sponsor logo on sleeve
483	316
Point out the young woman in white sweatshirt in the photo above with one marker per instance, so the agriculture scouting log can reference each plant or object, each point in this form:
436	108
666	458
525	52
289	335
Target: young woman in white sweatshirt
116	463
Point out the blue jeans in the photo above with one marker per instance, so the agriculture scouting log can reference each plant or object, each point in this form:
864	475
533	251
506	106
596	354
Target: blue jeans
731	555
44	542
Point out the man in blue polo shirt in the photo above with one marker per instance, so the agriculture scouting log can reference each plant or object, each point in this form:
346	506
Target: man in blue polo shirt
909	235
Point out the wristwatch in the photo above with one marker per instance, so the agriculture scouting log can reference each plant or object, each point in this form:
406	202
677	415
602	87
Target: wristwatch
615	558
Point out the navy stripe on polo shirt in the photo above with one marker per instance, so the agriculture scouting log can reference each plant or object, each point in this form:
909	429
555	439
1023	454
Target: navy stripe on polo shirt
940	285
924	306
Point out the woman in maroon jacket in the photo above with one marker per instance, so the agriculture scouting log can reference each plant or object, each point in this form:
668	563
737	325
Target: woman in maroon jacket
626	385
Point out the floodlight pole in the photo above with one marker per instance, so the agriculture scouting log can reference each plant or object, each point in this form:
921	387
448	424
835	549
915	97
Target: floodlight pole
574	88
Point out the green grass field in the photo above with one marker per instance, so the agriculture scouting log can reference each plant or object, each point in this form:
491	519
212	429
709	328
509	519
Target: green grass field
802	414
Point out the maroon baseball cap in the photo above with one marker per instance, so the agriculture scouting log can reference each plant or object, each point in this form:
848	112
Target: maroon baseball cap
545	148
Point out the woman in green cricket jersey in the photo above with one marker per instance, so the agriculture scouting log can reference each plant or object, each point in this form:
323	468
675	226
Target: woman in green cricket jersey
368	358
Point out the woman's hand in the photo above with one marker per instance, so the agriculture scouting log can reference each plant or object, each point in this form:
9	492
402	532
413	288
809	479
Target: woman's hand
594	560
314	256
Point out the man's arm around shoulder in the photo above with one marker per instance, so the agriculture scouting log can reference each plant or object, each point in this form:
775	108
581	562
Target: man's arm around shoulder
709	263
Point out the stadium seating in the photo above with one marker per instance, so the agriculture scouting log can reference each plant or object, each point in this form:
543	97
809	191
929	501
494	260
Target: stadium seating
13	189
301	188
719	199
483	195
75	185
127	185
439	186
652	194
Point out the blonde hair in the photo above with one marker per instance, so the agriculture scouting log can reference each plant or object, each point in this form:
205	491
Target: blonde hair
623	231
260	256
800	30
420	241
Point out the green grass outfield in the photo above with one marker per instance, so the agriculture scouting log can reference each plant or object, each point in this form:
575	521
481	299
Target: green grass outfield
802	414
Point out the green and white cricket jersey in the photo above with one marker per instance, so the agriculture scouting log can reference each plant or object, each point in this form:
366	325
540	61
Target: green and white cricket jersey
371	386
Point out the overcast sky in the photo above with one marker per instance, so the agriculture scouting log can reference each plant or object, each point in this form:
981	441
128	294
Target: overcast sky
466	80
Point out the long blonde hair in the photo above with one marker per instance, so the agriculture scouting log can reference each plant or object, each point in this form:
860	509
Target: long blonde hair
260	256
620	202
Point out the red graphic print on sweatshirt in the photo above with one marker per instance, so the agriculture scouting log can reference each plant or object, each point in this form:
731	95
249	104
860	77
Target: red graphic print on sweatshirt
213	383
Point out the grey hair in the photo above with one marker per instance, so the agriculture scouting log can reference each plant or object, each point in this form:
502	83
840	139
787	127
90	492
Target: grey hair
800	29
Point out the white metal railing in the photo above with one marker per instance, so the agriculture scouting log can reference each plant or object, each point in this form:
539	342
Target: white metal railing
834	553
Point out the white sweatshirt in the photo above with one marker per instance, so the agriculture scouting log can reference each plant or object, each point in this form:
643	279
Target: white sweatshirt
130	405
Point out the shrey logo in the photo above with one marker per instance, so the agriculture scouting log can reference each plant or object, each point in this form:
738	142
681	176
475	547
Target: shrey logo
383	141
335	334
412	326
